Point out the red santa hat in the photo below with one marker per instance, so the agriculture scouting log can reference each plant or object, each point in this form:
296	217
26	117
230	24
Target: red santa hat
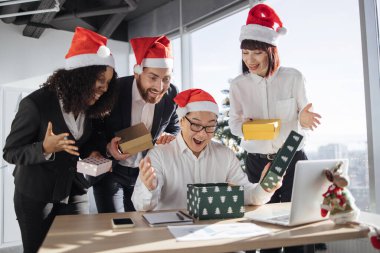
87	49
263	24
193	100
153	52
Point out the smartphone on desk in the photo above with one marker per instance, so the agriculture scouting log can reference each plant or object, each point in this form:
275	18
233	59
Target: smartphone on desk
122	223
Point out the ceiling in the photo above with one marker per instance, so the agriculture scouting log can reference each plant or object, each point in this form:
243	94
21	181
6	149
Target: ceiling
107	17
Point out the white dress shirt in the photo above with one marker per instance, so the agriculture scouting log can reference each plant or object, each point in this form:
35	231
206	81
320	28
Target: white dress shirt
75	125
176	166
141	112
281	96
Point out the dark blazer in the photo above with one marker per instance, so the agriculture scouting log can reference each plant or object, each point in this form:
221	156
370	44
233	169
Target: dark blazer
165	118
45	180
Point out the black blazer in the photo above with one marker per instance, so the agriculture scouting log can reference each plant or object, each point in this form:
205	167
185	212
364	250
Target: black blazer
44	180
165	118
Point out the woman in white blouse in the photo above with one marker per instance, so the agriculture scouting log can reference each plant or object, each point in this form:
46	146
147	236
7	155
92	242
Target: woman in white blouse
267	91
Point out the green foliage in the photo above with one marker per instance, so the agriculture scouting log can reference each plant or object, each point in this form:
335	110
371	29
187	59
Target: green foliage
223	132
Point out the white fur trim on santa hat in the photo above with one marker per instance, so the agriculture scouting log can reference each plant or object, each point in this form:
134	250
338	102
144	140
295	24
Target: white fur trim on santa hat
157	62
84	60
260	33
203	106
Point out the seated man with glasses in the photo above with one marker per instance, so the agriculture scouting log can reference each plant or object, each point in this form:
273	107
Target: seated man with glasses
191	158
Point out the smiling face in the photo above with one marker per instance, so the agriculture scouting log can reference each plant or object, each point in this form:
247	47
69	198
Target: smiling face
101	85
197	141
153	83
256	61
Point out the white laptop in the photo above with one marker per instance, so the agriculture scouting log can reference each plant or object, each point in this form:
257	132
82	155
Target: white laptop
309	185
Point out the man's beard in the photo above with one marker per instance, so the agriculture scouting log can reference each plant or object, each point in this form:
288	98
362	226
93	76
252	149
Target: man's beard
145	93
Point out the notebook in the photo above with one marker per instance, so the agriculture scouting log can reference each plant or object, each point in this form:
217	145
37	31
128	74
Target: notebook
309	185
160	219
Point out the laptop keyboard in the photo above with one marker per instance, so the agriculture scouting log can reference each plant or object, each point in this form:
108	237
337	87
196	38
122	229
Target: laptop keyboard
282	218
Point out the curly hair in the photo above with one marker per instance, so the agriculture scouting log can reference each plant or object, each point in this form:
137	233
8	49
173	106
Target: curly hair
273	57
76	86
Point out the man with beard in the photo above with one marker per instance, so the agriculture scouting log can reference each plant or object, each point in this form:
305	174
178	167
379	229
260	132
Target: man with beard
146	97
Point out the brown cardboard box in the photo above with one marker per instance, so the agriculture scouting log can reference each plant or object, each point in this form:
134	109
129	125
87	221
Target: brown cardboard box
261	129
134	139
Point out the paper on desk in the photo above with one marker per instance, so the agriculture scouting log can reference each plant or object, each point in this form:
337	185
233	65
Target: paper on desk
216	231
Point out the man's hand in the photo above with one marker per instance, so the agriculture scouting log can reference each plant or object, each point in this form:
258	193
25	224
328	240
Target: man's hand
113	149
55	143
279	184
165	138
148	174
309	119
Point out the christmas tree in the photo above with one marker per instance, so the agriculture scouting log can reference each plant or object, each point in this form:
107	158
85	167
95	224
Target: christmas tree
223	133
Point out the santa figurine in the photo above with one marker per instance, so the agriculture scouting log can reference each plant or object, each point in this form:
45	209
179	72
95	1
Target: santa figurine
337	200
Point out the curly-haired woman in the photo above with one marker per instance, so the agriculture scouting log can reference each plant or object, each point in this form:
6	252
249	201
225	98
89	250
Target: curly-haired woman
49	133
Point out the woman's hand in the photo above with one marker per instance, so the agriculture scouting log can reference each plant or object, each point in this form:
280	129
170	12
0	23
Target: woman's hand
148	174
309	119
55	143
95	154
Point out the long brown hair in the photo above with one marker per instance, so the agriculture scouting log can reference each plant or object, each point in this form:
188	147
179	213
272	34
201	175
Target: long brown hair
273	57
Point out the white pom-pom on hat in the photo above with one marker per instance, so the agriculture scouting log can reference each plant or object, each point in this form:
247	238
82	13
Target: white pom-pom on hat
282	30
103	51
137	69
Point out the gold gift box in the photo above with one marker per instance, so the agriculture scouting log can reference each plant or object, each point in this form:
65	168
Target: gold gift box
134	139
261	129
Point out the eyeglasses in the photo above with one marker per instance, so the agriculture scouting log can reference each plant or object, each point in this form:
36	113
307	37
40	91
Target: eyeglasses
197	128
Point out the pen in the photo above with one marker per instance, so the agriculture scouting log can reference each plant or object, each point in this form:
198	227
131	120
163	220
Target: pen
179	216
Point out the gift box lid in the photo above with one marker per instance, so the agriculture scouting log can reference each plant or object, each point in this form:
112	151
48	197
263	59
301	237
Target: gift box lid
261	129
94	166
265	125
95	160
135	139
132	133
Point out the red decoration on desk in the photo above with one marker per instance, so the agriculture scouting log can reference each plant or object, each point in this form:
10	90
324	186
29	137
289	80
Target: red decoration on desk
337	200
375	240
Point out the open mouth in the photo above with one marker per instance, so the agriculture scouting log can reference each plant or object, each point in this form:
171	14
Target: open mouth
154	93
253	67
198	142
97	96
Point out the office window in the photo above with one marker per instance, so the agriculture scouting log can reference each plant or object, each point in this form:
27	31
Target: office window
216	55
177	73
324	43
132	62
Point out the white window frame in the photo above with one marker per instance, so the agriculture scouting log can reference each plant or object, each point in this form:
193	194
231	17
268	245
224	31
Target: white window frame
370	47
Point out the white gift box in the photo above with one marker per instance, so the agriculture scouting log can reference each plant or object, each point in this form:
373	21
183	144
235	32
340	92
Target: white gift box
94	166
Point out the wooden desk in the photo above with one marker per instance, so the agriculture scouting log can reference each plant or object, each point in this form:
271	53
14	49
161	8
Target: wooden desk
93	233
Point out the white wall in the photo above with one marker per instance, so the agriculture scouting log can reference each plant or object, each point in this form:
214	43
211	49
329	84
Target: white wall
25	63
24	57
